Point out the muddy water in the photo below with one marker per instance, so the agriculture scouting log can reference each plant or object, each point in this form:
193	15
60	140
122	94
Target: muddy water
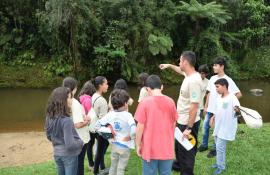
23	109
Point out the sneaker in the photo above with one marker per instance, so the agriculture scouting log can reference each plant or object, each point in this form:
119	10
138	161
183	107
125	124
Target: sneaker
218	171
175	166
104	171
90	168
202	148
212	153
214	166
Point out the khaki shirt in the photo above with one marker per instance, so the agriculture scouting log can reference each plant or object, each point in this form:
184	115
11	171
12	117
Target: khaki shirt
190	92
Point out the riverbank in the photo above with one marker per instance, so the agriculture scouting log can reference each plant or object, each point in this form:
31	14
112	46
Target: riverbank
24	148
26	77
35	77
249	154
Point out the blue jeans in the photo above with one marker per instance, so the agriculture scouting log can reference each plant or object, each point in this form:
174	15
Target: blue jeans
66	165
154	167
206	129
221	152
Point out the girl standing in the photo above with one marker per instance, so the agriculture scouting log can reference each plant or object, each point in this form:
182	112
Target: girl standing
120	84
80	121
100	106
142	80
85	98
61	132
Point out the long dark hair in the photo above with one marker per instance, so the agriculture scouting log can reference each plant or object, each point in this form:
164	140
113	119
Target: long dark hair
99	80
121	84
70	82
142	79
57	104
88	89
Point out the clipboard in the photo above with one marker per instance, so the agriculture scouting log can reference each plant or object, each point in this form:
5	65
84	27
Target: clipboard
178	135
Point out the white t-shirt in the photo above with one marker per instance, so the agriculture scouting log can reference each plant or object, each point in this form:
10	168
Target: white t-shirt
143	94
100	105
204	86
190	92
123	125
225	120
77	111
213	92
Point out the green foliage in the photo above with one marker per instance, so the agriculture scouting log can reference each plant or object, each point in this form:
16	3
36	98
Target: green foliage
58	66
159	44
25	59
26	76
212	11
122	38
257	63
107	58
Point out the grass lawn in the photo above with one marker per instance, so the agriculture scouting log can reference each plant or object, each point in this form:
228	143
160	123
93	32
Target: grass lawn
249	154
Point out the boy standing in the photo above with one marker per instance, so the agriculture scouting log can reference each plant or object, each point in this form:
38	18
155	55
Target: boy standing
123	128
156	116
225	122
204	71
211	100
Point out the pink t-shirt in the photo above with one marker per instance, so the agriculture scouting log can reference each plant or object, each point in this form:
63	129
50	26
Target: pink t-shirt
86	102
158	114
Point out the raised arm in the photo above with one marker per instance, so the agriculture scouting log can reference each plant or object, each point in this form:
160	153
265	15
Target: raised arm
173	67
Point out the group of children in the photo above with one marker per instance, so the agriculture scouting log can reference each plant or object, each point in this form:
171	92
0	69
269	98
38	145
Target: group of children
68	125
68	120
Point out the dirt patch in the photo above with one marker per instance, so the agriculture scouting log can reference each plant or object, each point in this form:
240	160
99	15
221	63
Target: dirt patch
24	148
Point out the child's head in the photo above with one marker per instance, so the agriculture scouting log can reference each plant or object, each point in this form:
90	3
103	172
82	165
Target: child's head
101	84
88	89
187	58
119	98
71	83
203	70
153	82
142	79
121	84
222	85
59	103
219	65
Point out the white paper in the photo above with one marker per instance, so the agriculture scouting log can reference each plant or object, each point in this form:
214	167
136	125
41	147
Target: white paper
178	135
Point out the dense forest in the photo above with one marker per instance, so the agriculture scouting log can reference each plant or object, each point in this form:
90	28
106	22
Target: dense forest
121	38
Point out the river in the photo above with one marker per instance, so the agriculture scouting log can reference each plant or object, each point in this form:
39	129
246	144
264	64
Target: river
23	109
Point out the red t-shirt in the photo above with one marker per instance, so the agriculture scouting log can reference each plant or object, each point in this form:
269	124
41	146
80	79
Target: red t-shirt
158	114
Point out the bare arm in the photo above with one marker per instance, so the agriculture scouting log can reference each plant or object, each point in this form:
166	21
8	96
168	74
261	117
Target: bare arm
193	113
173	67
139	132
206	102
192	116
86	121
212	121
238	95
81	124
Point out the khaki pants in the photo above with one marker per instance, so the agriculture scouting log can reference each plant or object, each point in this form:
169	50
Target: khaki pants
119	160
